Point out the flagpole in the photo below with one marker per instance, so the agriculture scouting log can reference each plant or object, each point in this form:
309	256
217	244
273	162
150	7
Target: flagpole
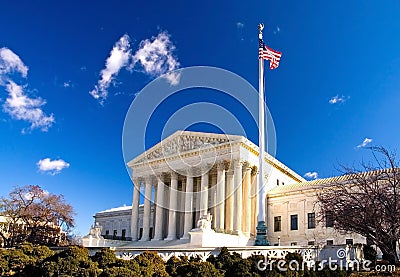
261	238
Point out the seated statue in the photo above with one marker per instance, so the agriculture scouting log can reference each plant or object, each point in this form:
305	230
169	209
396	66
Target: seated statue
95	231
205	221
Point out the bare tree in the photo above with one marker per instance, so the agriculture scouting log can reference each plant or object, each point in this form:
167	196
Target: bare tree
36	216
366	201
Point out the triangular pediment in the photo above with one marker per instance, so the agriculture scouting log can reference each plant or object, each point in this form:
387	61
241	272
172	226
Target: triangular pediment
182	142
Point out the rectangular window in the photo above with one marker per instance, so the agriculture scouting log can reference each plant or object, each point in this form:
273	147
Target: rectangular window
311	220
277	223
329	242
349	241
311	242
294	222
123	234
293	243
107	232
115	234
277	182
329	219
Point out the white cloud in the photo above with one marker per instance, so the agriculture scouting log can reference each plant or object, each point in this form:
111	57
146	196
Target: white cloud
67	84
156	57
311	175
277	30
364	143
119	58
10	62
18	104
21	107
239	25
52	166
337	99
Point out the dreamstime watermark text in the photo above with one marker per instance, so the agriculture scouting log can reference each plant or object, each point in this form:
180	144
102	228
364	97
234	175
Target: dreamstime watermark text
331	264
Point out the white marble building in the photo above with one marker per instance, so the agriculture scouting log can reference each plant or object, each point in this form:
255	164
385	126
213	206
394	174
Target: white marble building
191	175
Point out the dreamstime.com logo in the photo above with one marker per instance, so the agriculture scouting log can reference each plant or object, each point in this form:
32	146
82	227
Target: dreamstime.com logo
205	96
341	263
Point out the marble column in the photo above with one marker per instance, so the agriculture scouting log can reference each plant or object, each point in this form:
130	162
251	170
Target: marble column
197	213
181	209
254	200
246	221
173	204
237	211
229	201
146	209
220	214
188	207
158	224
135	209
204	195
212	191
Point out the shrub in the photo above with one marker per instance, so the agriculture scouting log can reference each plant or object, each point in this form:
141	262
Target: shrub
74	261
151	264
3	263
17	260
174	263
199	269
105	258
118	272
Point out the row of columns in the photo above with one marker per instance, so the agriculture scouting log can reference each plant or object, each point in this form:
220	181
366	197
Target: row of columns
233	205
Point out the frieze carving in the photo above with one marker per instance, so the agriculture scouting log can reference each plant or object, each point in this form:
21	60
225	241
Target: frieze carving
182	144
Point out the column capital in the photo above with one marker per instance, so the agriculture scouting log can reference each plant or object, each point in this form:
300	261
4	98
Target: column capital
254	170
137	178
137	182
229	172
148	178
238	163
222	165
173	175
246	165
161	176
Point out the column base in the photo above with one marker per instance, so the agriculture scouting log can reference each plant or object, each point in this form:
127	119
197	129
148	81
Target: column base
185	237
147	239
170	238
237	233
261	238
156	239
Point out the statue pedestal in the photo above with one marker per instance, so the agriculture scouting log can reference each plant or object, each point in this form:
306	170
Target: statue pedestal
204	236
200	237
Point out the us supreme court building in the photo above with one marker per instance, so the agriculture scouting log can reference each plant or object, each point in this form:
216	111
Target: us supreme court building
202	189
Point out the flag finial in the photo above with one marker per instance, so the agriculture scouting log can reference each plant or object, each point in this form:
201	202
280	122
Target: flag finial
260	27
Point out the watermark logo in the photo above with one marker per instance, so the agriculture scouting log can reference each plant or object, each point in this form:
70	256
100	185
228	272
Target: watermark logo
204	96
341	253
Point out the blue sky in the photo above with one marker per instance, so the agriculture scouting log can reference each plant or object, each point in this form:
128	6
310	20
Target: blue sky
69	71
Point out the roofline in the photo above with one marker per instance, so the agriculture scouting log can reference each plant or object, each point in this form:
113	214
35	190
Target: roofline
243	141
323	182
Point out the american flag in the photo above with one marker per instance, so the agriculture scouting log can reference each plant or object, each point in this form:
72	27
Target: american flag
267	53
